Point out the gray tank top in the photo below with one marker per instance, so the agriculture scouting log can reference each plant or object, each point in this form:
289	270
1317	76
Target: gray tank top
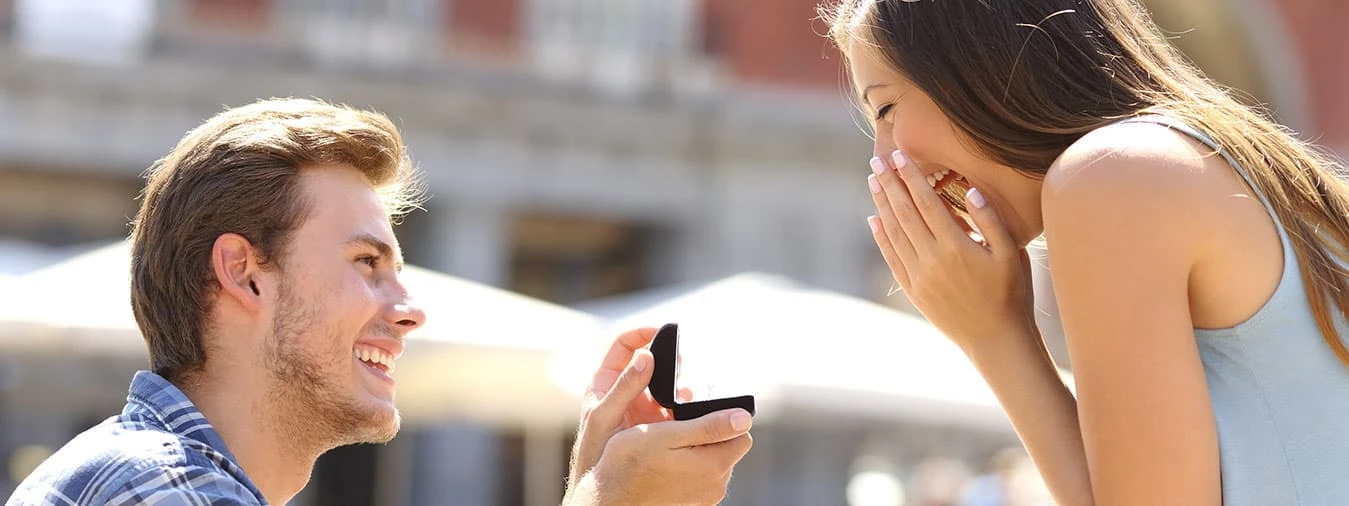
1280	395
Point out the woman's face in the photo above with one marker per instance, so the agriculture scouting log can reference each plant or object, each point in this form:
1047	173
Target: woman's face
906	119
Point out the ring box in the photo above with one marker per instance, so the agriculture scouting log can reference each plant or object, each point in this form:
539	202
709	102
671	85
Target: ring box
665	349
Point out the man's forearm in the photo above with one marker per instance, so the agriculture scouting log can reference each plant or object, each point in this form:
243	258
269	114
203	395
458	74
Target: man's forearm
582	492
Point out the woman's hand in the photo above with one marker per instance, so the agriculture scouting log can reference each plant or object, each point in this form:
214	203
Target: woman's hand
969	289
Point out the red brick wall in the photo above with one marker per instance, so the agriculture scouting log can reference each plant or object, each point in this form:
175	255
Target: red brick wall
1318	31
491	26
244	16
774	42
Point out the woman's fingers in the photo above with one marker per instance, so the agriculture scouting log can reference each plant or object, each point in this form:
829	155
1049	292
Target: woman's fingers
892	259
893	204
990	225
896	237
931	207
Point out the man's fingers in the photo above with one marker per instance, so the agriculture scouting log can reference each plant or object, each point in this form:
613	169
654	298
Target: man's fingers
626	388
618	357
726	453
712	428
625	344
645	409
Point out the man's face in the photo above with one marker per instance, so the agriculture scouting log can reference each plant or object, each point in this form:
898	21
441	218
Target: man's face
340	314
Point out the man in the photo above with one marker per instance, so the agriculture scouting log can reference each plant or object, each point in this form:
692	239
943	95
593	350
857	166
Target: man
265	279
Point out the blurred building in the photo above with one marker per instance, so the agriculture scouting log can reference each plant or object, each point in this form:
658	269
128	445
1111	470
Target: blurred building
574	148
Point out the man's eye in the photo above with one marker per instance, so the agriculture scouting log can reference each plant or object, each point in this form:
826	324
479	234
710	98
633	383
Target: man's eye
368	260
884	110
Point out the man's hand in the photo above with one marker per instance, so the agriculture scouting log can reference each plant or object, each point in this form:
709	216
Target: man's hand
629	451
626	352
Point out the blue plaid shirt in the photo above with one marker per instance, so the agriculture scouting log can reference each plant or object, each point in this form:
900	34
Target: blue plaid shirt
159	451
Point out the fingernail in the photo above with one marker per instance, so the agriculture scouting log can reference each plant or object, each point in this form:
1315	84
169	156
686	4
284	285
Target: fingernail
874	184
739	421
877	165
638	364
875	224
974	198
900	159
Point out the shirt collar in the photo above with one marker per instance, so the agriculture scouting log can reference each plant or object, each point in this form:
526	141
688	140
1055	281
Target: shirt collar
152	397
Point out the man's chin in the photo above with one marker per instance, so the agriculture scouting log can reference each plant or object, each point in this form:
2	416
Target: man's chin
384	425
370	421
389	430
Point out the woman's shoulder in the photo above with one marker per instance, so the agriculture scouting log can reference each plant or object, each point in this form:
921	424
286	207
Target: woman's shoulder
1128	155
1167	182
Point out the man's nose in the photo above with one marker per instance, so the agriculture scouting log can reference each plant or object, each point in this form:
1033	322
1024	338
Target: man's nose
406	316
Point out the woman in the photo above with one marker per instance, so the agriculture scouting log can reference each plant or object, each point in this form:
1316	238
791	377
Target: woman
1197	249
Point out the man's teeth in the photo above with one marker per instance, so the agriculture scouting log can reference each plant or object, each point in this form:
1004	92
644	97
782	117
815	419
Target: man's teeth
375	356
933	179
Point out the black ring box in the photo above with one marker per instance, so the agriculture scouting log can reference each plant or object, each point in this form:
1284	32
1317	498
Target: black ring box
665	349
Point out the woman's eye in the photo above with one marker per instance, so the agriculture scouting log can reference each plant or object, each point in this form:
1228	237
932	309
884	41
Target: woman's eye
884	110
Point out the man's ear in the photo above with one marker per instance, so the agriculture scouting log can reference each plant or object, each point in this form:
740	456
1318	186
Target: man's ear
235	265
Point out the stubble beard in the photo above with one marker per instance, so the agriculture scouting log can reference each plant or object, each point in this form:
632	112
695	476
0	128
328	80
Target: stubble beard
312	409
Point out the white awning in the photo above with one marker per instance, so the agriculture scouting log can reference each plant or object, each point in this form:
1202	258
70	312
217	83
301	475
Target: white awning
806	353
483	353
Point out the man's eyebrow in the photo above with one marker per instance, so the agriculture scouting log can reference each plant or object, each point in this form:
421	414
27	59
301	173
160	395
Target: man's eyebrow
380	246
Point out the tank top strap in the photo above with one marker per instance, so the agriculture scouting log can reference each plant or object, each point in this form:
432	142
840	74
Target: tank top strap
1207	140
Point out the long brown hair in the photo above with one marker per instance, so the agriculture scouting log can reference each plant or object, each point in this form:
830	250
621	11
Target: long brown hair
240	173
1025	79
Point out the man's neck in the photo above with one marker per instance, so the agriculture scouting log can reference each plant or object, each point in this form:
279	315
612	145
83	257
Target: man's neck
253	429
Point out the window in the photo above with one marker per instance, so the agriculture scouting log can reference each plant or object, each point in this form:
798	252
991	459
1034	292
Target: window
566	259
620	45
218	30
364	33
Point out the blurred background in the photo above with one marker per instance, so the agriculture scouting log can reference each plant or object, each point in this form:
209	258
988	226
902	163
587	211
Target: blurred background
593	164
